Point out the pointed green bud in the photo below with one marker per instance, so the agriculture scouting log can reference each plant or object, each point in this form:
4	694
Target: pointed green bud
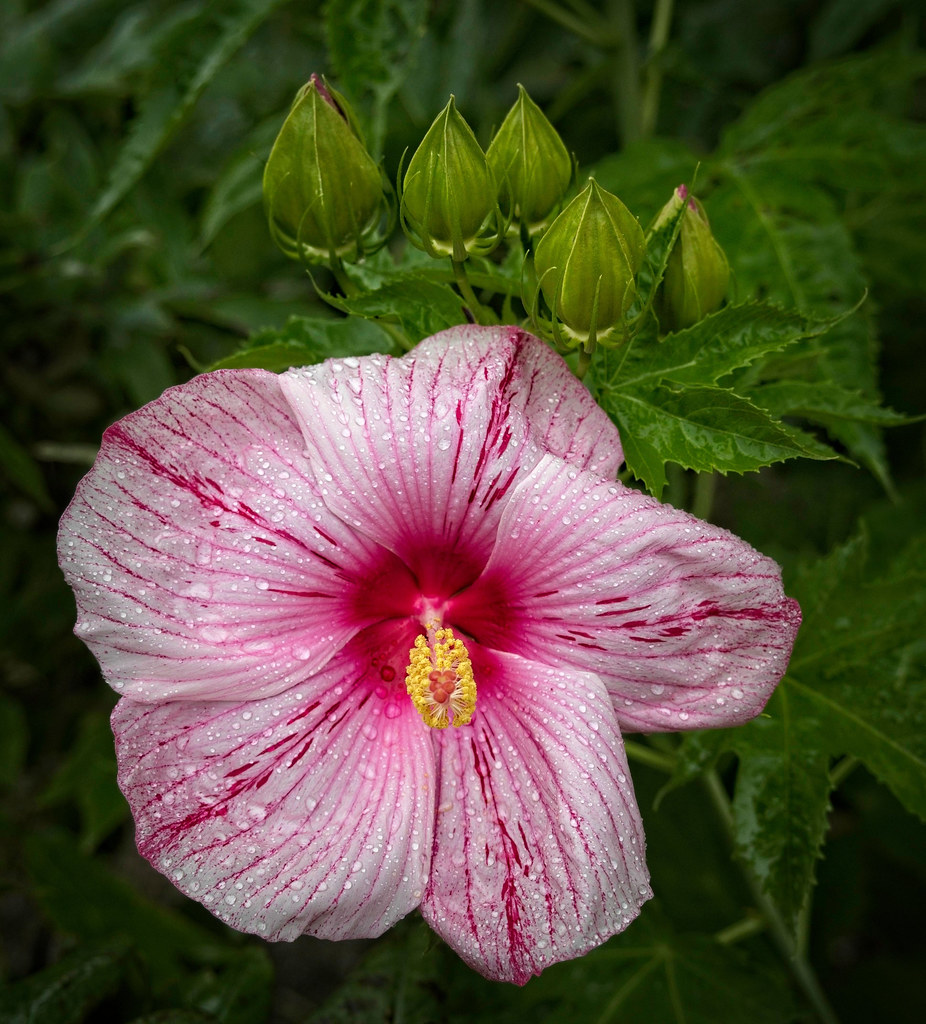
531	165
586	265
322	191
448	205
697	274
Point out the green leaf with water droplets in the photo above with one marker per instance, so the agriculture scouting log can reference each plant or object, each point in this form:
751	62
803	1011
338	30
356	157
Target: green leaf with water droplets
711	349
706	429
421	307
780	805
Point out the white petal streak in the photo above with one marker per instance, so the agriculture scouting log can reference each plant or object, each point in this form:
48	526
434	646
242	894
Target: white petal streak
687	624
204	562
311	811
539	847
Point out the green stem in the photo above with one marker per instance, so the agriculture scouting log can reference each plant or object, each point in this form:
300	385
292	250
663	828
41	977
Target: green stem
703	504
626	83
594	32
844	768
643	754
585	361
482	314
399	337
340	275
797	963
652	85
802	930
744	929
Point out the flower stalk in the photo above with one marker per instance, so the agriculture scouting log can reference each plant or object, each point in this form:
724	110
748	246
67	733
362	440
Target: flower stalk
800	968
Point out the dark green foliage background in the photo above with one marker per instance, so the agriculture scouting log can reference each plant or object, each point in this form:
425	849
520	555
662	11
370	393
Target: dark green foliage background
133	252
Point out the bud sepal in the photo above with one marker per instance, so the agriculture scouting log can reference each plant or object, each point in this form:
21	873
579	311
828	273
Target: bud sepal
586	265
447	201
531	165
697	274
326	198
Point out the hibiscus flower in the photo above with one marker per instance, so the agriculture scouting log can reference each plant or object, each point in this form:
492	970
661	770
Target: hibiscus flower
377	626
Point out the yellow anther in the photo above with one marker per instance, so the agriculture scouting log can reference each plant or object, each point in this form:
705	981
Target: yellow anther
439	678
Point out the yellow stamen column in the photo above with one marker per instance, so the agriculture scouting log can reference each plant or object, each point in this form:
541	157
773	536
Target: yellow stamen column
439	678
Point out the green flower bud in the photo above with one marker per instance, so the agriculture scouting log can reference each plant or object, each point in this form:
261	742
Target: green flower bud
697	273
531	165
586	264
322	191
448	204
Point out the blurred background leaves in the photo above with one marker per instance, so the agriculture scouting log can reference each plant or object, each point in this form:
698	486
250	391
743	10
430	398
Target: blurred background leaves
133	250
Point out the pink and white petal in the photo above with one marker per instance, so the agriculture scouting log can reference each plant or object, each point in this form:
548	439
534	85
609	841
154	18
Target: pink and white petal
561	414
538	846
203	560
417	454
687	625
420	452
309	811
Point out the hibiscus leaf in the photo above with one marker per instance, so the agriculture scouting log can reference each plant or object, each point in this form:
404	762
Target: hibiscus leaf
306	340
239	186
239	993
708	429
165	109
857	680
878	716
837	123
715	346
652	974
645	462
420	306
401	978
862	619
841	126
788	244
780	805
781	798
65	992
824	402
104	907
87	779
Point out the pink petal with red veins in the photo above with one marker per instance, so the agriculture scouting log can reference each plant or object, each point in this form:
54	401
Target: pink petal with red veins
420	453
310	811
538	847
687	625
560	412
204	562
